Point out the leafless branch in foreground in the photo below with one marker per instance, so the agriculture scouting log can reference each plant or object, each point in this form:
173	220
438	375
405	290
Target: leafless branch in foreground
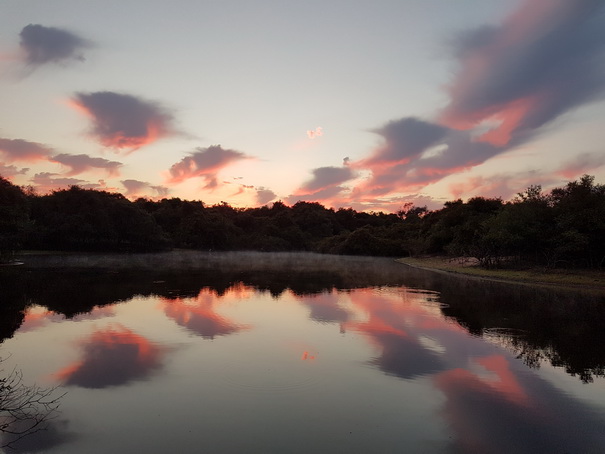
24	409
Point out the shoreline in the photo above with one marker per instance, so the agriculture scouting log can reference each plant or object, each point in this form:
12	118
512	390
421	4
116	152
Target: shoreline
593	281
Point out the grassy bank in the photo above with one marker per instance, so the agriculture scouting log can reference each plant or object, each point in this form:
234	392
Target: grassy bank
589	279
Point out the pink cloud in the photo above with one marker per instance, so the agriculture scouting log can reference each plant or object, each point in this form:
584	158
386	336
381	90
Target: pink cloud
7	171
205	163
511	80
581	164
112	357
540	62
136	188
81	162
264	195
317	132
13	150
45	182
506	185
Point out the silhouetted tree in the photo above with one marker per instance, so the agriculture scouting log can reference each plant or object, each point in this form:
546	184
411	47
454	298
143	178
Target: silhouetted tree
14	219
86	219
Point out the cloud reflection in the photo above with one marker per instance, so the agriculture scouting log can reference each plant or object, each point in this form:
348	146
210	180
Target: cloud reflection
325	308
395	327
36	317
112	357
199	314
55	432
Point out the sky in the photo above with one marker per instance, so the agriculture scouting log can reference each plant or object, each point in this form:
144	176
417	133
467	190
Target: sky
350	103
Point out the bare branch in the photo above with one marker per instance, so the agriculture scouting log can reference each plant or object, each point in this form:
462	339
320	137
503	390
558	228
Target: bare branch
24	409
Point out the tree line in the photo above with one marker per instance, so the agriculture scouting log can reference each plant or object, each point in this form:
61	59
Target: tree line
561	228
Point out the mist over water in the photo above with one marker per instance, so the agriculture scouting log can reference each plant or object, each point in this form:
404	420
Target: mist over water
256	352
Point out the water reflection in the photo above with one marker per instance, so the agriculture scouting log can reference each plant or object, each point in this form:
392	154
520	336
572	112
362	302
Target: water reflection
199	314
324	307
56	432
36	317
111	357
495	409
367	355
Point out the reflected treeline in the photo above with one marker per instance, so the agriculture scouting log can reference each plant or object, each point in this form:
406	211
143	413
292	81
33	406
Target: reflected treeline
564	328
537	323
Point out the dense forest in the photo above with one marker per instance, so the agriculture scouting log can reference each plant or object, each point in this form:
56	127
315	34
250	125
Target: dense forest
562	228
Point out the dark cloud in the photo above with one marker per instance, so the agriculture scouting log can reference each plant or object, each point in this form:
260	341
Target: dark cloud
264	195
204	163
22	150
325	184
136	188
79	163
405	139
124	122
42	45
542	61
324	177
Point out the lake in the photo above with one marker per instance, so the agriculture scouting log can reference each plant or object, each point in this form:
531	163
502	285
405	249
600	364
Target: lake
300	353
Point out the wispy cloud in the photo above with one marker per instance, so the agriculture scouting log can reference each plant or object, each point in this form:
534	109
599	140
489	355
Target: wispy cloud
505	185
79	163
13	150
583	163
42	45
416	153
47	182
544	60
124	122
204	163
136	188
511	80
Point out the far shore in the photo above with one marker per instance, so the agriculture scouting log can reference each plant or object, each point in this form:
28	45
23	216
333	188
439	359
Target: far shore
567	278
590	280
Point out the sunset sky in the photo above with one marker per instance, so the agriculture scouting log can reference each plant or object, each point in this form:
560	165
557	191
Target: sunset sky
351	103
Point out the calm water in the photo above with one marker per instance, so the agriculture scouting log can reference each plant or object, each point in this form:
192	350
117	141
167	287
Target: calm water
301	354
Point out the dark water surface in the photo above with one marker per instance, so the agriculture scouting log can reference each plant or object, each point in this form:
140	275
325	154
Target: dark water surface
300	353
